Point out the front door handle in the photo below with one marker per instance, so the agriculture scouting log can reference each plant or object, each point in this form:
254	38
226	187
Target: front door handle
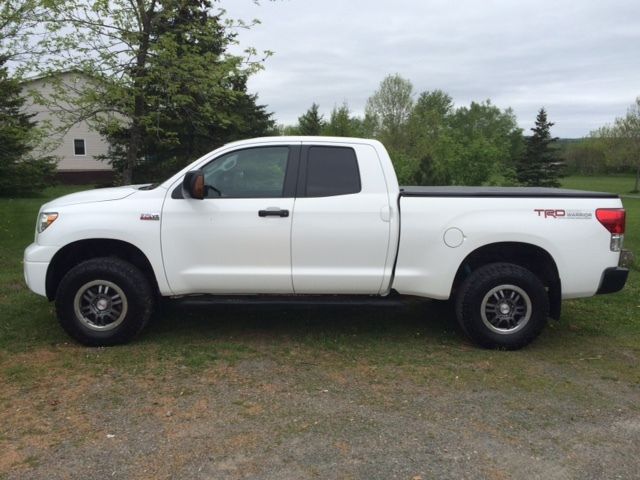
273	212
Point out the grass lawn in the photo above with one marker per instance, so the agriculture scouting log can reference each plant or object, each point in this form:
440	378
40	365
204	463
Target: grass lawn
622	184
267	392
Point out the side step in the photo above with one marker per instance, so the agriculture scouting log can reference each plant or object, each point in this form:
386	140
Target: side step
293	300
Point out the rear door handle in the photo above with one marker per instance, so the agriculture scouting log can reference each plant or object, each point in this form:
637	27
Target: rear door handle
273	212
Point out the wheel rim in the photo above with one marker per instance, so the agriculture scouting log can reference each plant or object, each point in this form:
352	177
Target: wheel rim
100	305
506	309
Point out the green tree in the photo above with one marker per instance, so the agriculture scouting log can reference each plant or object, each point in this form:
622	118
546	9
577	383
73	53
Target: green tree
490	138
407	168
311	122
162	82
428	136
620	142
391	106
364	127
540	165
340	123
429	118
465	146
22	172
286	130
628	128
586	156
18	19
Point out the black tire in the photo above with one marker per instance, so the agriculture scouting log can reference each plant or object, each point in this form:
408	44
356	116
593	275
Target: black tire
118	286
517	291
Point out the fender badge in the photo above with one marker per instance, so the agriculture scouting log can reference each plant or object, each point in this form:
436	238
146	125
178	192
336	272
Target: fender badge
149	216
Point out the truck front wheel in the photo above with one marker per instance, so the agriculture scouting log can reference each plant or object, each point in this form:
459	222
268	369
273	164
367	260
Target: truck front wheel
502	305
104	301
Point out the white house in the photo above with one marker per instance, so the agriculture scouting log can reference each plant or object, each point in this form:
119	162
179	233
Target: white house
76	146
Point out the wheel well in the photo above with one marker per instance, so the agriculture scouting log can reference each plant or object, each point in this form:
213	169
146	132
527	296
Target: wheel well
531	257
77	252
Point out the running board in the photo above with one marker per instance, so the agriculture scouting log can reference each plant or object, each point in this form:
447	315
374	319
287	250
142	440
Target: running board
297	300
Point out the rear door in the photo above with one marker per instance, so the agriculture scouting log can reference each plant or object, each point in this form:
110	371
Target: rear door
340	231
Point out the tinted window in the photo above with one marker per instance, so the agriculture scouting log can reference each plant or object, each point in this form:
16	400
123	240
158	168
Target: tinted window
332	171
250	173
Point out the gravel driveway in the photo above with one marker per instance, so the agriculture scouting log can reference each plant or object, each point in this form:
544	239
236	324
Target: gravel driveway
367	394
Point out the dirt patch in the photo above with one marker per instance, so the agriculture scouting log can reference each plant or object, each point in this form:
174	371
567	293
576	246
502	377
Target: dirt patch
10	457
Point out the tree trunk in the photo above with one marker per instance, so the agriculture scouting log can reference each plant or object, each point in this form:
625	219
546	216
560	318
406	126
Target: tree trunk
636	188
135	131
135	140
132	153
127	171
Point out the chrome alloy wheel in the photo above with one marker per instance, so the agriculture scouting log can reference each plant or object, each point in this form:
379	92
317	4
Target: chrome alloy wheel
506	309
100	305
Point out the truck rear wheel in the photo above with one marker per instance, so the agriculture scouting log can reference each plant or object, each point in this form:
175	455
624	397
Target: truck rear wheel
104	301
502	305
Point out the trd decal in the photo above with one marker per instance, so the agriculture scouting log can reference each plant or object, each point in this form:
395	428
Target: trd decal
563	214
550	213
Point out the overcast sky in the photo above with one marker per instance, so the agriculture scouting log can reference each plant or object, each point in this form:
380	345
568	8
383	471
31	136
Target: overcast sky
580	59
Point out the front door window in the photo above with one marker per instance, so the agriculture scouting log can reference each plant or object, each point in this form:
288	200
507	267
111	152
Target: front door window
250	173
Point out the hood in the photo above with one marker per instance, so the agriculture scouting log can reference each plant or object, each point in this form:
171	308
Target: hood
91	196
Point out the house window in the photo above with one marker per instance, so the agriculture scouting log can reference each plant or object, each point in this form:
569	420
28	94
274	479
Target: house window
79	147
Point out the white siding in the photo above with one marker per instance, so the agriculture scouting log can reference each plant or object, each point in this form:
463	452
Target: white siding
62	143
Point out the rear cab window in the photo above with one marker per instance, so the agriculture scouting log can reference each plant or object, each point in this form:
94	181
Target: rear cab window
331	171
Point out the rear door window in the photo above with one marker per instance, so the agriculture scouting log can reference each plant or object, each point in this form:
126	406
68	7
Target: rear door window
332	171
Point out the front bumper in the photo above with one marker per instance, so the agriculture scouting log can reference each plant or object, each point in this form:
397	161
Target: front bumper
613	280
36	263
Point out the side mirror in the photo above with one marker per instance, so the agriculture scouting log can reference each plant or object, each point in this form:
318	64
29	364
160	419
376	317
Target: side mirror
193	185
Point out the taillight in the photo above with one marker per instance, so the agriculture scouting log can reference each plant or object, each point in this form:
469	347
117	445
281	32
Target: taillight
613	219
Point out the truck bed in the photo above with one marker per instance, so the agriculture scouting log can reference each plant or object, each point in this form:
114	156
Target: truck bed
532	192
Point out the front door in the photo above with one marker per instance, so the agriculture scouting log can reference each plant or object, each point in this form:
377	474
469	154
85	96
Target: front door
238	239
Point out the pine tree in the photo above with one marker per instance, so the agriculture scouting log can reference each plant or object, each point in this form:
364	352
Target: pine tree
540	165
20	173
340	123
311	123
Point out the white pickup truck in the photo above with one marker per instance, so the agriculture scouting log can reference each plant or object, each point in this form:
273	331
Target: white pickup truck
322	216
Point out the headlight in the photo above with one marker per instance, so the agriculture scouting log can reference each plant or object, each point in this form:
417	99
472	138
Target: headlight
46	219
